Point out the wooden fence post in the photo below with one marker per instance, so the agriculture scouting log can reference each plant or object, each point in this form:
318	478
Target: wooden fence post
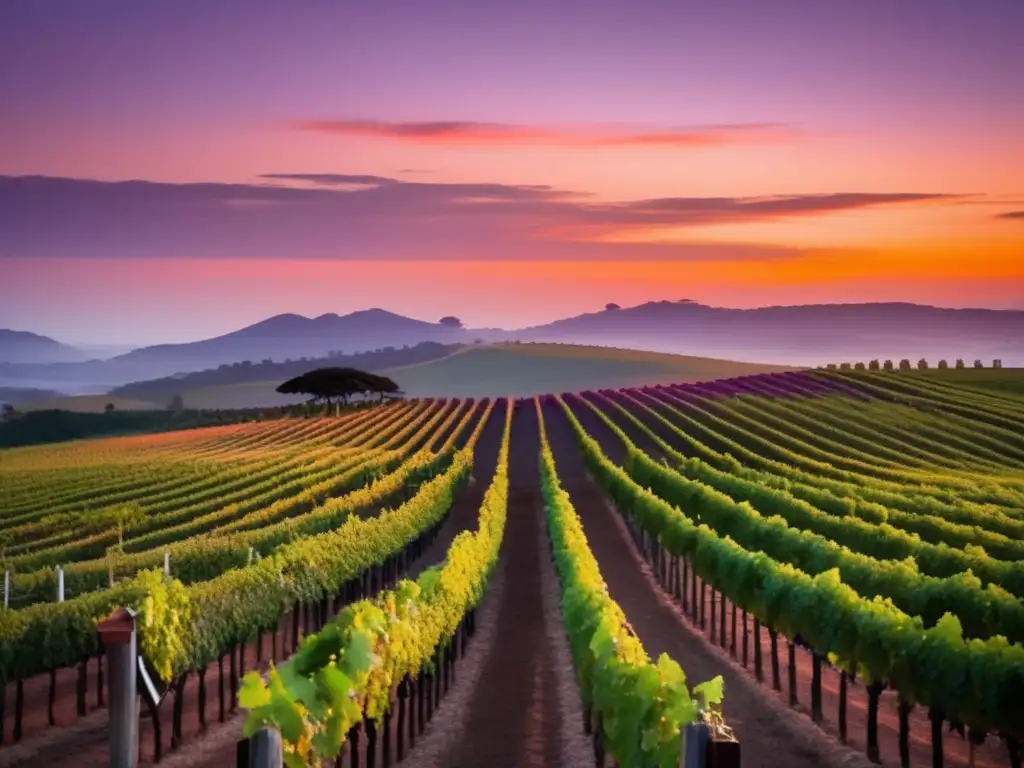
119	639
263	750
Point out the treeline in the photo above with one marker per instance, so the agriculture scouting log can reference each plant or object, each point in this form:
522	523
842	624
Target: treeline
165	389
906	365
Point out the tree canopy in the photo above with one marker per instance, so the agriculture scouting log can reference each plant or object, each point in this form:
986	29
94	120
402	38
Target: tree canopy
338	383
451	322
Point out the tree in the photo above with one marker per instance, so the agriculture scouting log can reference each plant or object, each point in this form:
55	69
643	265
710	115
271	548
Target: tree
859	366
451	322
922	364
611	307
108	408
960	364
176	404
874	365
997	363
338	384
7	413
887	365
978	364
844	366
943	365
831	366
905	365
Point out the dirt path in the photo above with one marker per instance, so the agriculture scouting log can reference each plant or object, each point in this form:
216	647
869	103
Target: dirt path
991	754
770	735
514	717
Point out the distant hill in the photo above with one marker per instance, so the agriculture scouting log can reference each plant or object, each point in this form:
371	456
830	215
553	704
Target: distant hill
89	404
512	369
293	336
799	335
21	395
163	389
23	347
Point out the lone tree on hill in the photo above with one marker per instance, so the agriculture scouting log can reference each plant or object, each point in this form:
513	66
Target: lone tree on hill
451	322
338	384
108	408
611	307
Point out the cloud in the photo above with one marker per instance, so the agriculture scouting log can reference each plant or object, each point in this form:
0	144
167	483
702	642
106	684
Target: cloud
329	179
1011	215
344	216
472	133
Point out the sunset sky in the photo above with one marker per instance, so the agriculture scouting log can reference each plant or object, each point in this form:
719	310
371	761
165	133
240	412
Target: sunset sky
176	170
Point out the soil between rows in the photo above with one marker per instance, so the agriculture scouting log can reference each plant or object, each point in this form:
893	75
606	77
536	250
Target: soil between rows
514	719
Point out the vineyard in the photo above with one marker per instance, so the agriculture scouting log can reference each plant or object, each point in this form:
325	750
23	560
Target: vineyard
818	567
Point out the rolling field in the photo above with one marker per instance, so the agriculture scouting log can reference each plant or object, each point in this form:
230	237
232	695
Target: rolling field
509	370
827	566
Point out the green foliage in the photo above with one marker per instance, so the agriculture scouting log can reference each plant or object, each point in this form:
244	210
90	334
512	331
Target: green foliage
165	618
223	613
976	682
617	680
348	670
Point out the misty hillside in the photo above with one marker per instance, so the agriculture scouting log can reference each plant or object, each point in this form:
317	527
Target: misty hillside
800	335
22	347
796	335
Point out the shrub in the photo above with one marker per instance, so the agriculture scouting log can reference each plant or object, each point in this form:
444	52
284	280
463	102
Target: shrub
922	364
874	365
960	364
859	367
943	365
888	365
905	365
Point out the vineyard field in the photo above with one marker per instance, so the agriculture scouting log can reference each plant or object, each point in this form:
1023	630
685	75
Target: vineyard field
824	567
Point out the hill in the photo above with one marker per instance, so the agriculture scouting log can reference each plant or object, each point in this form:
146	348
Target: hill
293	336
89	404
794	335
799	335
22	347
512	369
247	374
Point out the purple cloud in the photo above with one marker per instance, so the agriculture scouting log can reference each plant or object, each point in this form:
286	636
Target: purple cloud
342	216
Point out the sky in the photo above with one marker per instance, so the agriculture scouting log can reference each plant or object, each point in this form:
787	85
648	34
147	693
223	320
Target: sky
172	171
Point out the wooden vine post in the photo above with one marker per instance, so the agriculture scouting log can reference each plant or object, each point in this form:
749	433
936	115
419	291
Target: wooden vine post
701	750
118	635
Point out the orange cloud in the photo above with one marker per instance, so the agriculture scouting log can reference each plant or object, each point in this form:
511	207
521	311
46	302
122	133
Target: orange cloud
469	133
